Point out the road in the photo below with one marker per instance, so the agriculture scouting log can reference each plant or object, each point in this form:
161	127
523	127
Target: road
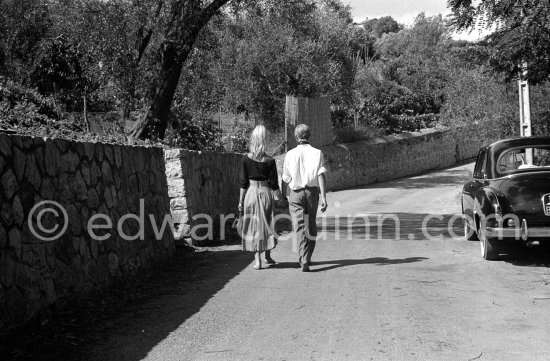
372	294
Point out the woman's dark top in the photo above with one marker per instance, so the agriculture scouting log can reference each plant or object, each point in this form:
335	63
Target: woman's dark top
258	171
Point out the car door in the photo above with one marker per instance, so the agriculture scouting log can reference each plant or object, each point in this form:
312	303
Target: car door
473	186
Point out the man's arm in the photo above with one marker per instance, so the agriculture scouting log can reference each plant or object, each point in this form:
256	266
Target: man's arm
286	177
322	187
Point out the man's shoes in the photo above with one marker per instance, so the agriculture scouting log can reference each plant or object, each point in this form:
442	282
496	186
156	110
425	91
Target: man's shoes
305	267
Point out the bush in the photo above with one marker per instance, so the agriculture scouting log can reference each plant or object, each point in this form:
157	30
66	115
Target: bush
193	133
349	134
236	140
23	109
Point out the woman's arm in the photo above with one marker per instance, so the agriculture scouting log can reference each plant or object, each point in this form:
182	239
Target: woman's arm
244	182
241	199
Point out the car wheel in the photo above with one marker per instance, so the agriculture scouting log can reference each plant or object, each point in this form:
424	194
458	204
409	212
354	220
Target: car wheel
469	232
488	246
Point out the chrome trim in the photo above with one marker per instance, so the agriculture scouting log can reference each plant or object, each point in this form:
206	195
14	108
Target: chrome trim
517	234
498	232
546	206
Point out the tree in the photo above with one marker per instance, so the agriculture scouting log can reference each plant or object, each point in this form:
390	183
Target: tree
384	25
184	21
522	33
276	48
23	24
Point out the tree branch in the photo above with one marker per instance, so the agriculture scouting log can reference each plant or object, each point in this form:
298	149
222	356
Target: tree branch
211	9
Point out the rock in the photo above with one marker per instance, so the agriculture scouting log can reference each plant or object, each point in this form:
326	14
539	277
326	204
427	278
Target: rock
2	163
108	196
34	256
39	158
140	161
88	151
95	174
5	145
6	213
64	250
74	220
176	188
7	269
61	144
19	163
113	264
179	203
65	188
98	152
107	173
14	237
109	154
114	194
51	158
32	174
79	187
17	211
93	200
85	171
47	189
171	154
94	249
69	162
118	155
9	184
3	238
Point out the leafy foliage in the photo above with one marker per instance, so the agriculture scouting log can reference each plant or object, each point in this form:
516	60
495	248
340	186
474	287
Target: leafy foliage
522	33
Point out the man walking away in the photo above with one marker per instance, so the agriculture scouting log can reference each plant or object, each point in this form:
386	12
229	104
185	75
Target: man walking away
304	172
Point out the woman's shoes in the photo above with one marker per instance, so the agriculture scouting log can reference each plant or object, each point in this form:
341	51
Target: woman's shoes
257	266
270	261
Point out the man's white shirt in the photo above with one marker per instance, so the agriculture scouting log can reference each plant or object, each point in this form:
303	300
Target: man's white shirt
303	165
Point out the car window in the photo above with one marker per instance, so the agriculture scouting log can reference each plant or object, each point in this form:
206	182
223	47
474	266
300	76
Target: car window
523	159
480	169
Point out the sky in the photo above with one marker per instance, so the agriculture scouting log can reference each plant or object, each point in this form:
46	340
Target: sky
403	11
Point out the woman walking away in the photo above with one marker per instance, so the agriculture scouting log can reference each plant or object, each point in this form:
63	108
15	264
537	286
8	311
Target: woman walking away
258	178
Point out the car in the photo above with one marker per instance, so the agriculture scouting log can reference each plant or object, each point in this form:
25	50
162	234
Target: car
508	199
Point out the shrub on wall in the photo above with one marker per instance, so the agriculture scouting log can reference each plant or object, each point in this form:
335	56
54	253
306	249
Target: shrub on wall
193	132
236	140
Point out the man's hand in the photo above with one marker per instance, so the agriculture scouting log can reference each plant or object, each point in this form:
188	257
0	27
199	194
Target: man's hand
324	205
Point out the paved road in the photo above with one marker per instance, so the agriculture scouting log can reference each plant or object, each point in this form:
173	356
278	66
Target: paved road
371	295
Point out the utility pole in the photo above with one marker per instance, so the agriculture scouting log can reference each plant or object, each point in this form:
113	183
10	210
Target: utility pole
525	110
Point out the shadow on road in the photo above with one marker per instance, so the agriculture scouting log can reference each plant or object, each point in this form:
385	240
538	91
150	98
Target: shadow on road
518	255
332	264
129	320
380	261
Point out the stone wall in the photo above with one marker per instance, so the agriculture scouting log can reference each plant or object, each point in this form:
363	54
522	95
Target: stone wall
201	185
85	179
382	159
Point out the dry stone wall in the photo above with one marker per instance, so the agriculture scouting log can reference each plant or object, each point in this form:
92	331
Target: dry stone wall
85	179
382	159
203	187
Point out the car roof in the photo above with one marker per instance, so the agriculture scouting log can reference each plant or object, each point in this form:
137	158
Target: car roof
501	145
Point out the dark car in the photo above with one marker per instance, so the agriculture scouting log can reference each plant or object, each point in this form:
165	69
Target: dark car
508	199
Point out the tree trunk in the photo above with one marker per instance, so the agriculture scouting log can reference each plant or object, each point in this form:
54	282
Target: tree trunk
85	110
187	20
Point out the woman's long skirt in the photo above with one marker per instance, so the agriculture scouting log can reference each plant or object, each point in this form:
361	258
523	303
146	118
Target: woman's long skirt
256	230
